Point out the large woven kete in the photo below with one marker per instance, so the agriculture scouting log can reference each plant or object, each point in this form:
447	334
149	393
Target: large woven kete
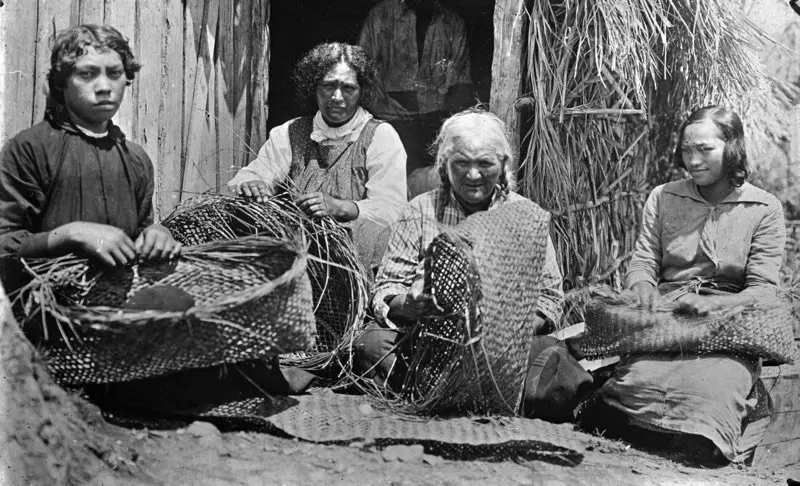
337	279
245	299
618	328
485	275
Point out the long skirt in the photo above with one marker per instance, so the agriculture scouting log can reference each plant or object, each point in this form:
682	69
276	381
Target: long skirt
710	396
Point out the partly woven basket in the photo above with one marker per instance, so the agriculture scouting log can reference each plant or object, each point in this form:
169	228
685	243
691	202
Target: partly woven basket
615	327
243	299
337	278
485	275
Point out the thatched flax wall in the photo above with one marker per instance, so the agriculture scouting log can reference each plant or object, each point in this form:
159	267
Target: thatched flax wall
605	86
198	104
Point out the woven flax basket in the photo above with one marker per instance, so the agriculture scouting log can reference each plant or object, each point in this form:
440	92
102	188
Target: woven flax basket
236	300
485	275
615	327
337	278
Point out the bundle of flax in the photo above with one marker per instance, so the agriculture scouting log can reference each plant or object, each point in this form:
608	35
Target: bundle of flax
615	326
220	302
337	277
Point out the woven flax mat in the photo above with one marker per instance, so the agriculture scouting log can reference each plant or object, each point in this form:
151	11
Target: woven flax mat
326	417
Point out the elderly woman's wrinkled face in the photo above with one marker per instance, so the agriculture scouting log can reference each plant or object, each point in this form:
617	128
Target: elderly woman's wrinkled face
474	167
338	94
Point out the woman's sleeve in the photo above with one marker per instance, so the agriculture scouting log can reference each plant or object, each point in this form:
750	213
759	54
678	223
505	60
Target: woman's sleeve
762	271
22	197
645	265
144	191
272	163
387	188
401	263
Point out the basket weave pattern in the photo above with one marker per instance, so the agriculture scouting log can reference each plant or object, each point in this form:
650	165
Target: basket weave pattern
337	279
485	275
617	328
251	299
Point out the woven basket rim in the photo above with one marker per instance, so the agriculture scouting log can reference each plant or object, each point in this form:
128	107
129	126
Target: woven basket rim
108	315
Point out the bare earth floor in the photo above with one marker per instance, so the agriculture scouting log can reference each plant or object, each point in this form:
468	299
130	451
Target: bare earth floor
189	456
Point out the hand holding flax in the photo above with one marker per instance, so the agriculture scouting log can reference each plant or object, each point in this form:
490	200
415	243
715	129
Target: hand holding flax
646	294
255	189
156	243
106	243
412	305
319	204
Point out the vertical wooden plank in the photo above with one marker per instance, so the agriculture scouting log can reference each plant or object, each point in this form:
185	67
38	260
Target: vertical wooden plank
243	53
510	25
17	67
170	110
121	14
199	173
92	11
794	142
226	103
257	105
54	16
149	31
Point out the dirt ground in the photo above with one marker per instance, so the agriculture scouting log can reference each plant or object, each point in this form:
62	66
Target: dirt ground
202	455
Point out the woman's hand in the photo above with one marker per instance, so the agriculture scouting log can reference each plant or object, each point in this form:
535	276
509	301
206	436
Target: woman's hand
412	305
319	204
156	243
106	243
647	295
256	190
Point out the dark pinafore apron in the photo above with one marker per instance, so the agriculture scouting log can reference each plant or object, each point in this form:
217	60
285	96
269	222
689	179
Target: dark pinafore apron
340	171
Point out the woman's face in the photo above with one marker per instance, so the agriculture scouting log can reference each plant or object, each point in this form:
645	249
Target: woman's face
338	94
95	88
474	168
701	153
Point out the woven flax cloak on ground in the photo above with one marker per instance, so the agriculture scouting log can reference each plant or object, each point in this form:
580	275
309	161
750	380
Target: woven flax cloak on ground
362	161
736	245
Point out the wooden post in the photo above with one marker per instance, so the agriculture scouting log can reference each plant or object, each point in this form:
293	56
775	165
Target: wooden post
17	67
54	16
510	25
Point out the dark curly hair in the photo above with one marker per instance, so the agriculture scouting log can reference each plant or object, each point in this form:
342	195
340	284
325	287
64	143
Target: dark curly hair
440	150
316	63
734	155
71	44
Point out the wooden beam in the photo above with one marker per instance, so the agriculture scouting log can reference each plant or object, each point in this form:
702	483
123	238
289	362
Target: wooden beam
510	26
17	67
199	159
121	14
259	74
54	16
168	175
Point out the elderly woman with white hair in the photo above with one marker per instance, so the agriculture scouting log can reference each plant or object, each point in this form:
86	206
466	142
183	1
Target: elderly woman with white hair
473	156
